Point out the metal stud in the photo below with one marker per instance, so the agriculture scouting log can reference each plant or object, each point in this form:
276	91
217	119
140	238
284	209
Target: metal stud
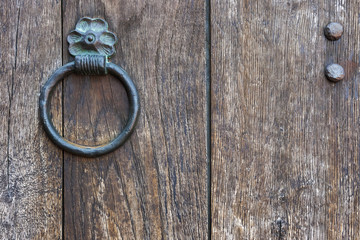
333	31
334	72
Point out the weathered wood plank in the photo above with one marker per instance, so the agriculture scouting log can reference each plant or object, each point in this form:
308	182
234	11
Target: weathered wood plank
30	166
153	187
285	141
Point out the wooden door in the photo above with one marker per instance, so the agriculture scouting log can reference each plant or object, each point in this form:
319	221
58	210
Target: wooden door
285	141
240	135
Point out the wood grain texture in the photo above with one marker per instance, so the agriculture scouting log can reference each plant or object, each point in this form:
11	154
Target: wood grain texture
285	141
154	186
30	166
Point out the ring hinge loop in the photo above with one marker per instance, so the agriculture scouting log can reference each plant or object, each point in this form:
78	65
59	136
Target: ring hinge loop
90	64
81	150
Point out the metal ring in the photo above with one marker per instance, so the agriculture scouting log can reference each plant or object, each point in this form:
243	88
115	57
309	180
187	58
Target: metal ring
81	150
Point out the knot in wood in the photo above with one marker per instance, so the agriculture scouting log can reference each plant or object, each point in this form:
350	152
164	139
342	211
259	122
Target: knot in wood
90	64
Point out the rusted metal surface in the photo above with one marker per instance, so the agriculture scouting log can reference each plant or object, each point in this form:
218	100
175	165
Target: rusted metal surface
333	31
334	72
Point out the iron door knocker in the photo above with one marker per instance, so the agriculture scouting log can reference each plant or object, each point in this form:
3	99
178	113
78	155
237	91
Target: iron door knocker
92	44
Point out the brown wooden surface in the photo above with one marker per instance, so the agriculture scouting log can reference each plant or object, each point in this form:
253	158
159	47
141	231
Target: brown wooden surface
285	141
154	186
30	166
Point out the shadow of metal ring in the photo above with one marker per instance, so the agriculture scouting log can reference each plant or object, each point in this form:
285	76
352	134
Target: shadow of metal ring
81	150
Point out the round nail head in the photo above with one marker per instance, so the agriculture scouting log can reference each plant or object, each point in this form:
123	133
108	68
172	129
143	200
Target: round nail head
334	72
90	38
333	31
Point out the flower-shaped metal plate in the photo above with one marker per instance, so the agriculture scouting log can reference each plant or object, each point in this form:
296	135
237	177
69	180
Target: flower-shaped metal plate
91	37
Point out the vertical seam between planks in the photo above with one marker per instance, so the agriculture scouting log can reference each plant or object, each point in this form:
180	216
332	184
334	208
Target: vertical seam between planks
62	123
208	109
